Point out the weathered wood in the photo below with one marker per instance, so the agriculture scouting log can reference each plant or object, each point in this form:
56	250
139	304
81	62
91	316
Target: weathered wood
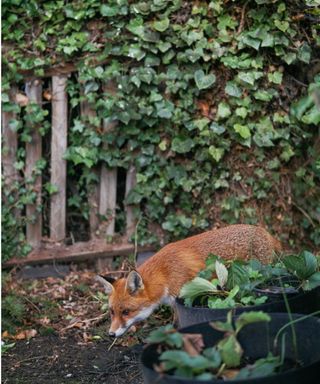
108	179
93	192
9	145
108	198
130	184
33	155
82	251
58	164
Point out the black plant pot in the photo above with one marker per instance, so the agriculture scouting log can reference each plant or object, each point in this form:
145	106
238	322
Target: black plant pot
303	302
257	340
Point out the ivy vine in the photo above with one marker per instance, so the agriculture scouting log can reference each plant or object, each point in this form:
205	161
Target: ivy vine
217	104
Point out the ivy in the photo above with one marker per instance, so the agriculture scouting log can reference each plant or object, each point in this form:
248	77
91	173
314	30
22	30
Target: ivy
217	105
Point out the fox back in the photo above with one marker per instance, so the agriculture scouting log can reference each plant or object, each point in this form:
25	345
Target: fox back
159	279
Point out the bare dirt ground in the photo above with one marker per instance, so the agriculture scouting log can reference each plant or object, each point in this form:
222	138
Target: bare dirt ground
60	334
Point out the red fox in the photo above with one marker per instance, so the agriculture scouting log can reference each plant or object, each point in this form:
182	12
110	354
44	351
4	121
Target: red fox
159	279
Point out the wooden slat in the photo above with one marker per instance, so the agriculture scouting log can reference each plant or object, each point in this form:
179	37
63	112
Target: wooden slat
58	164
108	179
93	192
9	145
33	154
108	197
130	219
82	251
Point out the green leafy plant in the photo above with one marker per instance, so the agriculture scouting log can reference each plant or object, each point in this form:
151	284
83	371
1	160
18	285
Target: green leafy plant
306	267
184	355
234	282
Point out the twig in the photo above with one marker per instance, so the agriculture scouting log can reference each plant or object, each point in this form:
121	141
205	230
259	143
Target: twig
112	344
136	241
305	214
30	358
86	321
242	18
30	302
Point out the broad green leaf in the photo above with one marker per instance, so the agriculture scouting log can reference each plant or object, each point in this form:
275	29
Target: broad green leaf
197	287
237	275
261	367
231	351
251	317
166	334
204	81
222	326
312	282
303	265
222	273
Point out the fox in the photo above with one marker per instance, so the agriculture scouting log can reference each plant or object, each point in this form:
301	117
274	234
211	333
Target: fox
159	279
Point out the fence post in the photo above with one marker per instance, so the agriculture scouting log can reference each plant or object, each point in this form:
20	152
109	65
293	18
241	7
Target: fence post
33	155
130	184
58	164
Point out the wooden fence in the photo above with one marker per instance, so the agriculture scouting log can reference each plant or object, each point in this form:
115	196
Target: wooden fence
102	198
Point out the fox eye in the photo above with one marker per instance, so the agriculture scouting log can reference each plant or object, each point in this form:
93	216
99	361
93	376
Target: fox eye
125	312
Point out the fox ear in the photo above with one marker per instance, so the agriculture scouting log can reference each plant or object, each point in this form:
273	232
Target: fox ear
107	283
134	282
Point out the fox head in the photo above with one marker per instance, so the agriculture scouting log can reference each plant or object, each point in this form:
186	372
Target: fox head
128	302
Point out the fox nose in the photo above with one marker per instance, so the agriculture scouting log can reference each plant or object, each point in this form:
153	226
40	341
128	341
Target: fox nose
112	334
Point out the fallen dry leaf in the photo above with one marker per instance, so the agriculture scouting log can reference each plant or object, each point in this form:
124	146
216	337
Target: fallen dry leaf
229	374
193	343
47	94
21	99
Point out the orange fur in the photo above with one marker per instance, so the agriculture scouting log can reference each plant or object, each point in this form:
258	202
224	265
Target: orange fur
168	270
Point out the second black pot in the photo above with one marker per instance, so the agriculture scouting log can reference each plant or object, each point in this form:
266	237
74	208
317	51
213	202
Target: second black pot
304	302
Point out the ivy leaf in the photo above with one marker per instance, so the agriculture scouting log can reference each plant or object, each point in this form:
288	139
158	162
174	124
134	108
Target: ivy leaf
204	81
161	25
282	25
232	89
216	128
243	130
250	77
216	153
304	53
275	77
182	144
224	111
